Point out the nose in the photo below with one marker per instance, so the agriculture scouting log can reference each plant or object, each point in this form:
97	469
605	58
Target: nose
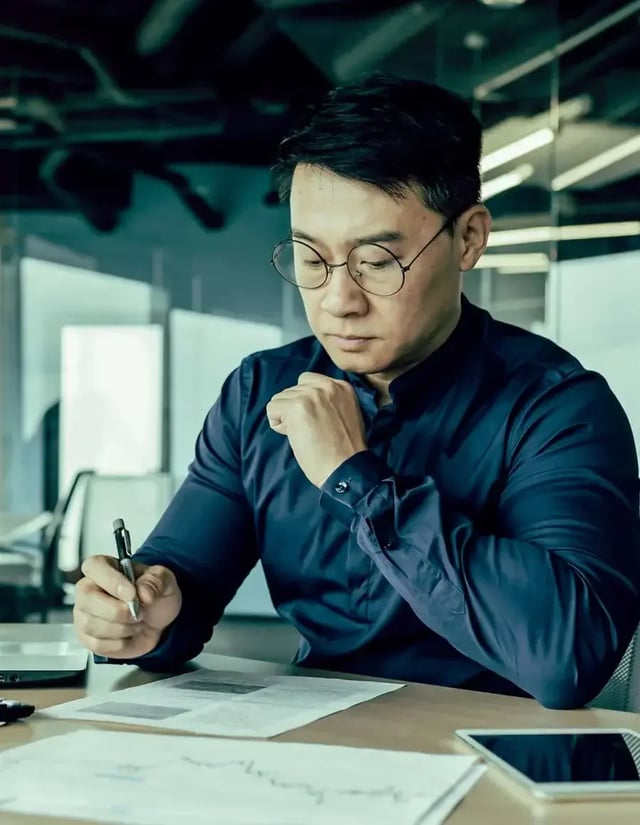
341	295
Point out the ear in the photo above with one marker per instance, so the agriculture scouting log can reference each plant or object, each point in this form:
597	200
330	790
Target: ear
473	228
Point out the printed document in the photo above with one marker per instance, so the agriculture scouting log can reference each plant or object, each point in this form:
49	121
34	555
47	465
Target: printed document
225	703
154	779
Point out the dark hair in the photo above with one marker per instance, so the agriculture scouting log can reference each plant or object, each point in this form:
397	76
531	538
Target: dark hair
396	134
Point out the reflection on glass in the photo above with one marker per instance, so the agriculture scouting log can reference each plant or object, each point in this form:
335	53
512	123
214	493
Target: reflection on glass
577	757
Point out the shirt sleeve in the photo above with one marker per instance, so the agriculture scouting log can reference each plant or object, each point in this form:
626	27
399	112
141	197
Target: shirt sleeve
206	535
552	599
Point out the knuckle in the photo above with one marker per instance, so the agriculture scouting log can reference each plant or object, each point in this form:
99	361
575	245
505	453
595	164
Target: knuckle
82	587
121	615
100	646
85	623
86	566
79	618
118	646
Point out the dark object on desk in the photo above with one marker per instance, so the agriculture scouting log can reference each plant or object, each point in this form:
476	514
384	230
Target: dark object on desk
11	711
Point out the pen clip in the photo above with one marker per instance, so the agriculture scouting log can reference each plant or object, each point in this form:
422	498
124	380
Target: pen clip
123	539
127	542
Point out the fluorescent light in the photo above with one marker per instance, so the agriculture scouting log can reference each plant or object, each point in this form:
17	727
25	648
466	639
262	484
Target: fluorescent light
596	164
517	262
544	234
507	181
542	134
529	143
502	4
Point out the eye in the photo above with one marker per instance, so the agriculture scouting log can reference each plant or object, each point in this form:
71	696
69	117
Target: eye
379	264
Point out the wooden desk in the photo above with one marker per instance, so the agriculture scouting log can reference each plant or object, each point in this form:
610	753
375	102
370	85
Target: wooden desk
417	717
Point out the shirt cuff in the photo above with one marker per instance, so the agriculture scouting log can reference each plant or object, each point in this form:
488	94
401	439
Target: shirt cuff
354	479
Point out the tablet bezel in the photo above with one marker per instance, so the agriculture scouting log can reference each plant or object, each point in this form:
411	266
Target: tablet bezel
551	790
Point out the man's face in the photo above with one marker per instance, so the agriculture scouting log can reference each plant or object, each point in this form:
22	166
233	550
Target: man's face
364	333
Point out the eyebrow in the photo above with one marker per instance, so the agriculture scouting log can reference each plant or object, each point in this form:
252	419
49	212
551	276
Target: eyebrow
379	237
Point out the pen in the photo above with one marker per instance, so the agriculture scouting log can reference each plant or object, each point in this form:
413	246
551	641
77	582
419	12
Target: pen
123	546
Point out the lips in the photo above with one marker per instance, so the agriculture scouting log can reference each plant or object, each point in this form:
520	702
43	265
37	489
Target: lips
350	337
350	343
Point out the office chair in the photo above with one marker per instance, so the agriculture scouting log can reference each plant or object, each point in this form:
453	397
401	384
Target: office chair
622	691
38	586
139	500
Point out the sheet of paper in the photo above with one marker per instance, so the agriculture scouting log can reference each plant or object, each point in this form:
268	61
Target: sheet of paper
154	779
225	703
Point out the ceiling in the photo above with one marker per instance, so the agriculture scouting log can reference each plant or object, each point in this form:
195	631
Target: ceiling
92	94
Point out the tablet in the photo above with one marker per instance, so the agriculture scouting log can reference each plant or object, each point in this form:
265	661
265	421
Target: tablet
564	763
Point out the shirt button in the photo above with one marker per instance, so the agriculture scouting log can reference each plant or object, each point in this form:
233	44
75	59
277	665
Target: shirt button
341	487
389	545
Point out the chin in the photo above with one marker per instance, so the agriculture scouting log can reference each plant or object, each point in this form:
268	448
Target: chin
363	362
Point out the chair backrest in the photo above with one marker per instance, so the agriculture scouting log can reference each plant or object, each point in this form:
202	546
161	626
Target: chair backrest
622	691
62	533
138	500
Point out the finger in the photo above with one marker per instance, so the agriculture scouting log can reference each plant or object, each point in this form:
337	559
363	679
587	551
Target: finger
102	629
288	395
156	582
275	413
93	601
315	379
113	648
104	572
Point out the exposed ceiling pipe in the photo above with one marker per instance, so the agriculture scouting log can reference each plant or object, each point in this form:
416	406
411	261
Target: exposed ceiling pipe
106	84
120	134
386	33
483	90
164	20
143	99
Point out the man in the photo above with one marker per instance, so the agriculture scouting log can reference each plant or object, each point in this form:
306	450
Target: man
434	496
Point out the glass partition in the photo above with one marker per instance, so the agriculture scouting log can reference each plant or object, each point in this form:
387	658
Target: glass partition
593	299
556	88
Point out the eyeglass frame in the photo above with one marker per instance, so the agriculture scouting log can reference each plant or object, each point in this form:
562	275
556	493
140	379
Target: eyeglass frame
448	223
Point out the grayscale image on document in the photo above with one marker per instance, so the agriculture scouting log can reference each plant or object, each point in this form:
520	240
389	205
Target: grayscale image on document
225	703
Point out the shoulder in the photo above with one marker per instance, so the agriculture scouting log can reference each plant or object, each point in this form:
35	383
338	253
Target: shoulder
555	399
533	368
526	354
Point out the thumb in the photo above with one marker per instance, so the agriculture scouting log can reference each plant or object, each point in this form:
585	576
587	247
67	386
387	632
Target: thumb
155	582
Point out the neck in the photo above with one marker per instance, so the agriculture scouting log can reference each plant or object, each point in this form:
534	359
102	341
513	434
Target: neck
381	381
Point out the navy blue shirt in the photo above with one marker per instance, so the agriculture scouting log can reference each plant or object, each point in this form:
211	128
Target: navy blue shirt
489	537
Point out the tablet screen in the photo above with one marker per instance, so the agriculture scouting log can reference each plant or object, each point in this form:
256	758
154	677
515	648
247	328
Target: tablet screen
568	757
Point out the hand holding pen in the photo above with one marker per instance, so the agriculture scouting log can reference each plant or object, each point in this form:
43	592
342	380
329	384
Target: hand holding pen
123	547
123	606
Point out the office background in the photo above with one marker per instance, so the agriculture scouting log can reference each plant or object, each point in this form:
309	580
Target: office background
138	215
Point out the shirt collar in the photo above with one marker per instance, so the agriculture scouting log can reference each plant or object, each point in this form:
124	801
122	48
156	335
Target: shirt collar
440	364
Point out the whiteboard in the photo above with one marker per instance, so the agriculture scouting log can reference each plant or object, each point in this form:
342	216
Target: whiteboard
111	400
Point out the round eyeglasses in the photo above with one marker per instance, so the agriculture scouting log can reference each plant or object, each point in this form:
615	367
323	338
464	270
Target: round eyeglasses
372	266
